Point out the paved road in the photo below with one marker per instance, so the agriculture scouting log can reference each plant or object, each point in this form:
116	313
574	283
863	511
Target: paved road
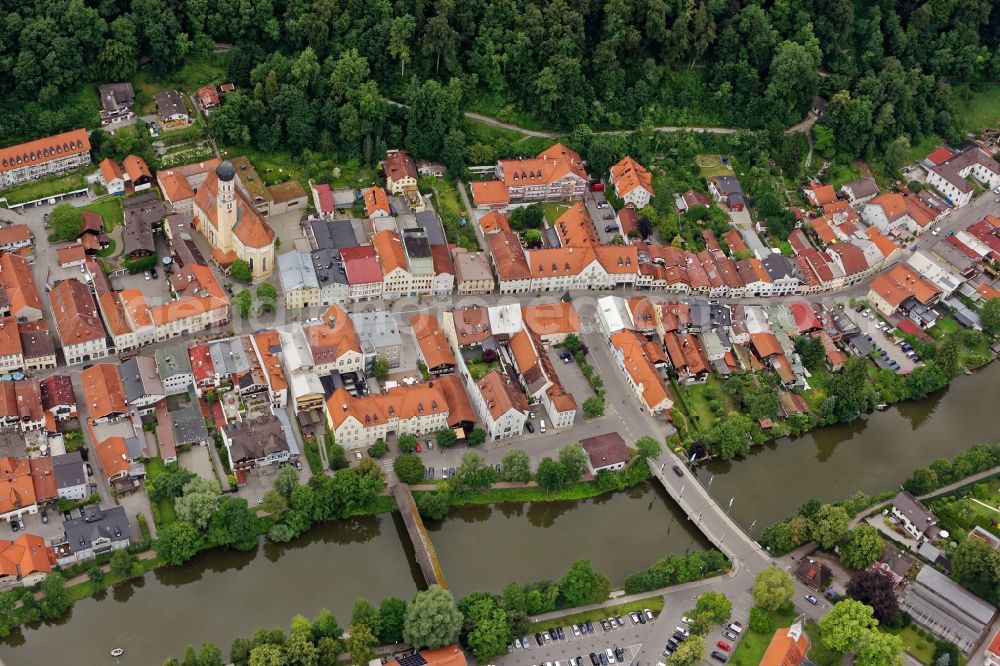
944	490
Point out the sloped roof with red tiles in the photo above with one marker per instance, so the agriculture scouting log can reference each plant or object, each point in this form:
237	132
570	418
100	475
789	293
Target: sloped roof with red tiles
113	455
509	257
376	200
492	222
459	406
550	318
361	265
40	151
433	345
939	155
16	278
391	253
75	313
489	192
110	170
735	241
575	229
252	229
103	390
765	344
399	165
852	257
805	318
628	175
136	167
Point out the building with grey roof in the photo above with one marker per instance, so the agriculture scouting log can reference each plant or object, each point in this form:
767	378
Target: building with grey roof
173	364
379	335
72	482
141	212
116	98
258	442
428	221
143	387
914	517
228	357
333	234
299	282
98	531
188	424
946	609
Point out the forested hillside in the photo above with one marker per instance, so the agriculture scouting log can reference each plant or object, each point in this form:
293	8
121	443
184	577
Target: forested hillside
313	71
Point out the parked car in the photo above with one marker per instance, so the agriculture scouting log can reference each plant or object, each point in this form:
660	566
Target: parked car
594	661
152	271
605	625
538	639
642	619
417	449
14	525
718	656
553	635
649	614
497	468
45	517
517	643
725	646
620	654
635	618
528	426
610	655
608	216
735	626
684	631
576	630
685	619
357	454
561	633
590	627
611	228
730	635
811	599
146	275
677	470
604	659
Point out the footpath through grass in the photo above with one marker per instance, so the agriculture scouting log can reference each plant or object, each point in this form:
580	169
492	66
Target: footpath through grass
655	604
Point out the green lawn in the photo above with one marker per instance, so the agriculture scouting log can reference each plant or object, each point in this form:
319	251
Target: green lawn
163	511
451	211
919	648
981	110
752	645
478	369
73	440
696	398
711	165
553	211
313	456
110	209
817	653
944	326
655	604
922	146
841	173
46	187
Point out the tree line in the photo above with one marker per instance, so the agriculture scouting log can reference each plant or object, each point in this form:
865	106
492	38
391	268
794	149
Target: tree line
315	69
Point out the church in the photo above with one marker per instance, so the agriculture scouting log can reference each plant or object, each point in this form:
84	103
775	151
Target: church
232	225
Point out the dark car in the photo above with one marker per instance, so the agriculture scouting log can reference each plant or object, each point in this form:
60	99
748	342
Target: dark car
730	635
718	656
620	654
608	216
497	468
642	620
538	639
594	660
677	470
603	658
678	636
45	516
611	228
561	633
14	525
153	274
590	626
528	426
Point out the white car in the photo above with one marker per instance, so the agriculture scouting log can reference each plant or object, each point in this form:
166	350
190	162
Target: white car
649	614
357	454
937	231
685	619
683	630
576	630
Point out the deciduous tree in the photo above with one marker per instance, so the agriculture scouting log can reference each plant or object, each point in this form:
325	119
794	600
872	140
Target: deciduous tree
846	626
432	619
773	588
515	466
582	585
409	468
862	547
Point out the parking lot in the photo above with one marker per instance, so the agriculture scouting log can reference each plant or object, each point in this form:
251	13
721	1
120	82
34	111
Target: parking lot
869	325
572	380
602	214
624	642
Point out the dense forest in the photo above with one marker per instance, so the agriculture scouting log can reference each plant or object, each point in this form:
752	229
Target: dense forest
314	73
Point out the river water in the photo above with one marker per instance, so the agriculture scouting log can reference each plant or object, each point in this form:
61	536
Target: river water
873	454
222	595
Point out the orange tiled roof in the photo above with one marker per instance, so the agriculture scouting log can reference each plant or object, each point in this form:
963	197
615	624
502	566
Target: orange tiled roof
113	455
16	488
901	282
136	167
110	170
493	222
639	367
71	253
489	193
40	151
267	340
16	278
549	166
500	394
375	200
882	242
333	338
508	256
735	241
525	355
852	257
892	203
25	555
390	250
184	308
785	650
550	318
42	472
75	312
136	308
459	406
403	402
433	345
252	229
10	337
823	229
103	391
823	194
629	174
472	325
174	181
575	228
765	344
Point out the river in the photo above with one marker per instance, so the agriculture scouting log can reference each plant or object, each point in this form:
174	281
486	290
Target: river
221	595
873	454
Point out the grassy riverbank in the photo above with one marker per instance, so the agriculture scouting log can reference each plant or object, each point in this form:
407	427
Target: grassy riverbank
654	604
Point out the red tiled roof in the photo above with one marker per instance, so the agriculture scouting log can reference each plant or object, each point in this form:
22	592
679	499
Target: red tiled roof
44	150
941	154
360	265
